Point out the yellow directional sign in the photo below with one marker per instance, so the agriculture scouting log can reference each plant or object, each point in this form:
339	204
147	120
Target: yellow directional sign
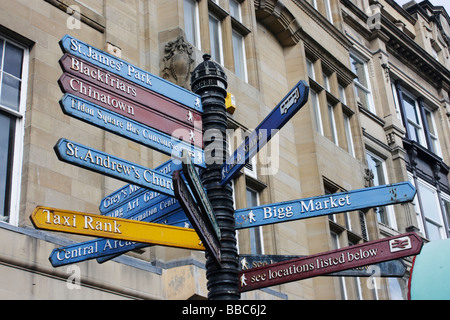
115	228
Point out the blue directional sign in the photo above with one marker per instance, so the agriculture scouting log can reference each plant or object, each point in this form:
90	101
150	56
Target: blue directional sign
128	128
103	163
128	71
276	119
129	191
324	205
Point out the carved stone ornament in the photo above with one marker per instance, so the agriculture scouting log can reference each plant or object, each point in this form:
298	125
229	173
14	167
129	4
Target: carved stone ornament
178	62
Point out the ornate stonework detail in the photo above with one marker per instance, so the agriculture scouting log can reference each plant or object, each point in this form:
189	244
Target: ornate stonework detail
178	62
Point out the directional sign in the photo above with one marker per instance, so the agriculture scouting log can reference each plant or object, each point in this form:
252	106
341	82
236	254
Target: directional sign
202	226
128	192
332	261
123	126
138	209
129	90
324	205
276	119
393	268
130	109
114	228
130	72
199	193
100	162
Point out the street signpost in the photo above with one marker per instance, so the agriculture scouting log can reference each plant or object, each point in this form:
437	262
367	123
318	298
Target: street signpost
324	205
280	115
100	162
114	228
130	129
130	72
203	226
332	261
131	110
393	268
199	193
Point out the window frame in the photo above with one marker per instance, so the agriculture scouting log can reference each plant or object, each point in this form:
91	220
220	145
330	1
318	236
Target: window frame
358	85
18	139
196	24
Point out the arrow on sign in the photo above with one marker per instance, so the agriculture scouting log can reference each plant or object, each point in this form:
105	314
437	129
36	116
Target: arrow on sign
114	228
324	205
276	119
331	261
100	162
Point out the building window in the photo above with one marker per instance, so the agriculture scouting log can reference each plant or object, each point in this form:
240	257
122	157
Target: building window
13	69
215	39
418	120
377	165
414	123
432	132
191	22
310	69
235	10
430	211
328	11
256	234
240	65
362	85
348	135
334	246
333	129
316	109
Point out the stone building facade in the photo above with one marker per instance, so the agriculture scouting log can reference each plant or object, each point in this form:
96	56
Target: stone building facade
378	113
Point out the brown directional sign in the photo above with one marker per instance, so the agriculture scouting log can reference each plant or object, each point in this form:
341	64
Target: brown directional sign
130	109
127	89
332	261
203	226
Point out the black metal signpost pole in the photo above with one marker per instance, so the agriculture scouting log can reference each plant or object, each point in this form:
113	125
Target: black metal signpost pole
210	82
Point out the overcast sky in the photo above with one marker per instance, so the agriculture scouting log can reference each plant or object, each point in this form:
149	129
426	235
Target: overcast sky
445	3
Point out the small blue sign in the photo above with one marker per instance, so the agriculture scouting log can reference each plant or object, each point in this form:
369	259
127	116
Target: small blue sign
103	163
128	128
324	205
128	71
109	204
276	119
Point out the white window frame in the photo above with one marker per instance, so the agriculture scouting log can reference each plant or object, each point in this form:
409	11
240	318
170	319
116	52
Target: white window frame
433	136
17	157
239	10
196	21
315	103
367	90
440	224
390	214
219	38
328	11
348	135
333	128
419	126
241	55
310	69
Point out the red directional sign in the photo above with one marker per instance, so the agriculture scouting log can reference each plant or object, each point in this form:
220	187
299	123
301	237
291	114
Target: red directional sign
332	261
130	109
127	89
